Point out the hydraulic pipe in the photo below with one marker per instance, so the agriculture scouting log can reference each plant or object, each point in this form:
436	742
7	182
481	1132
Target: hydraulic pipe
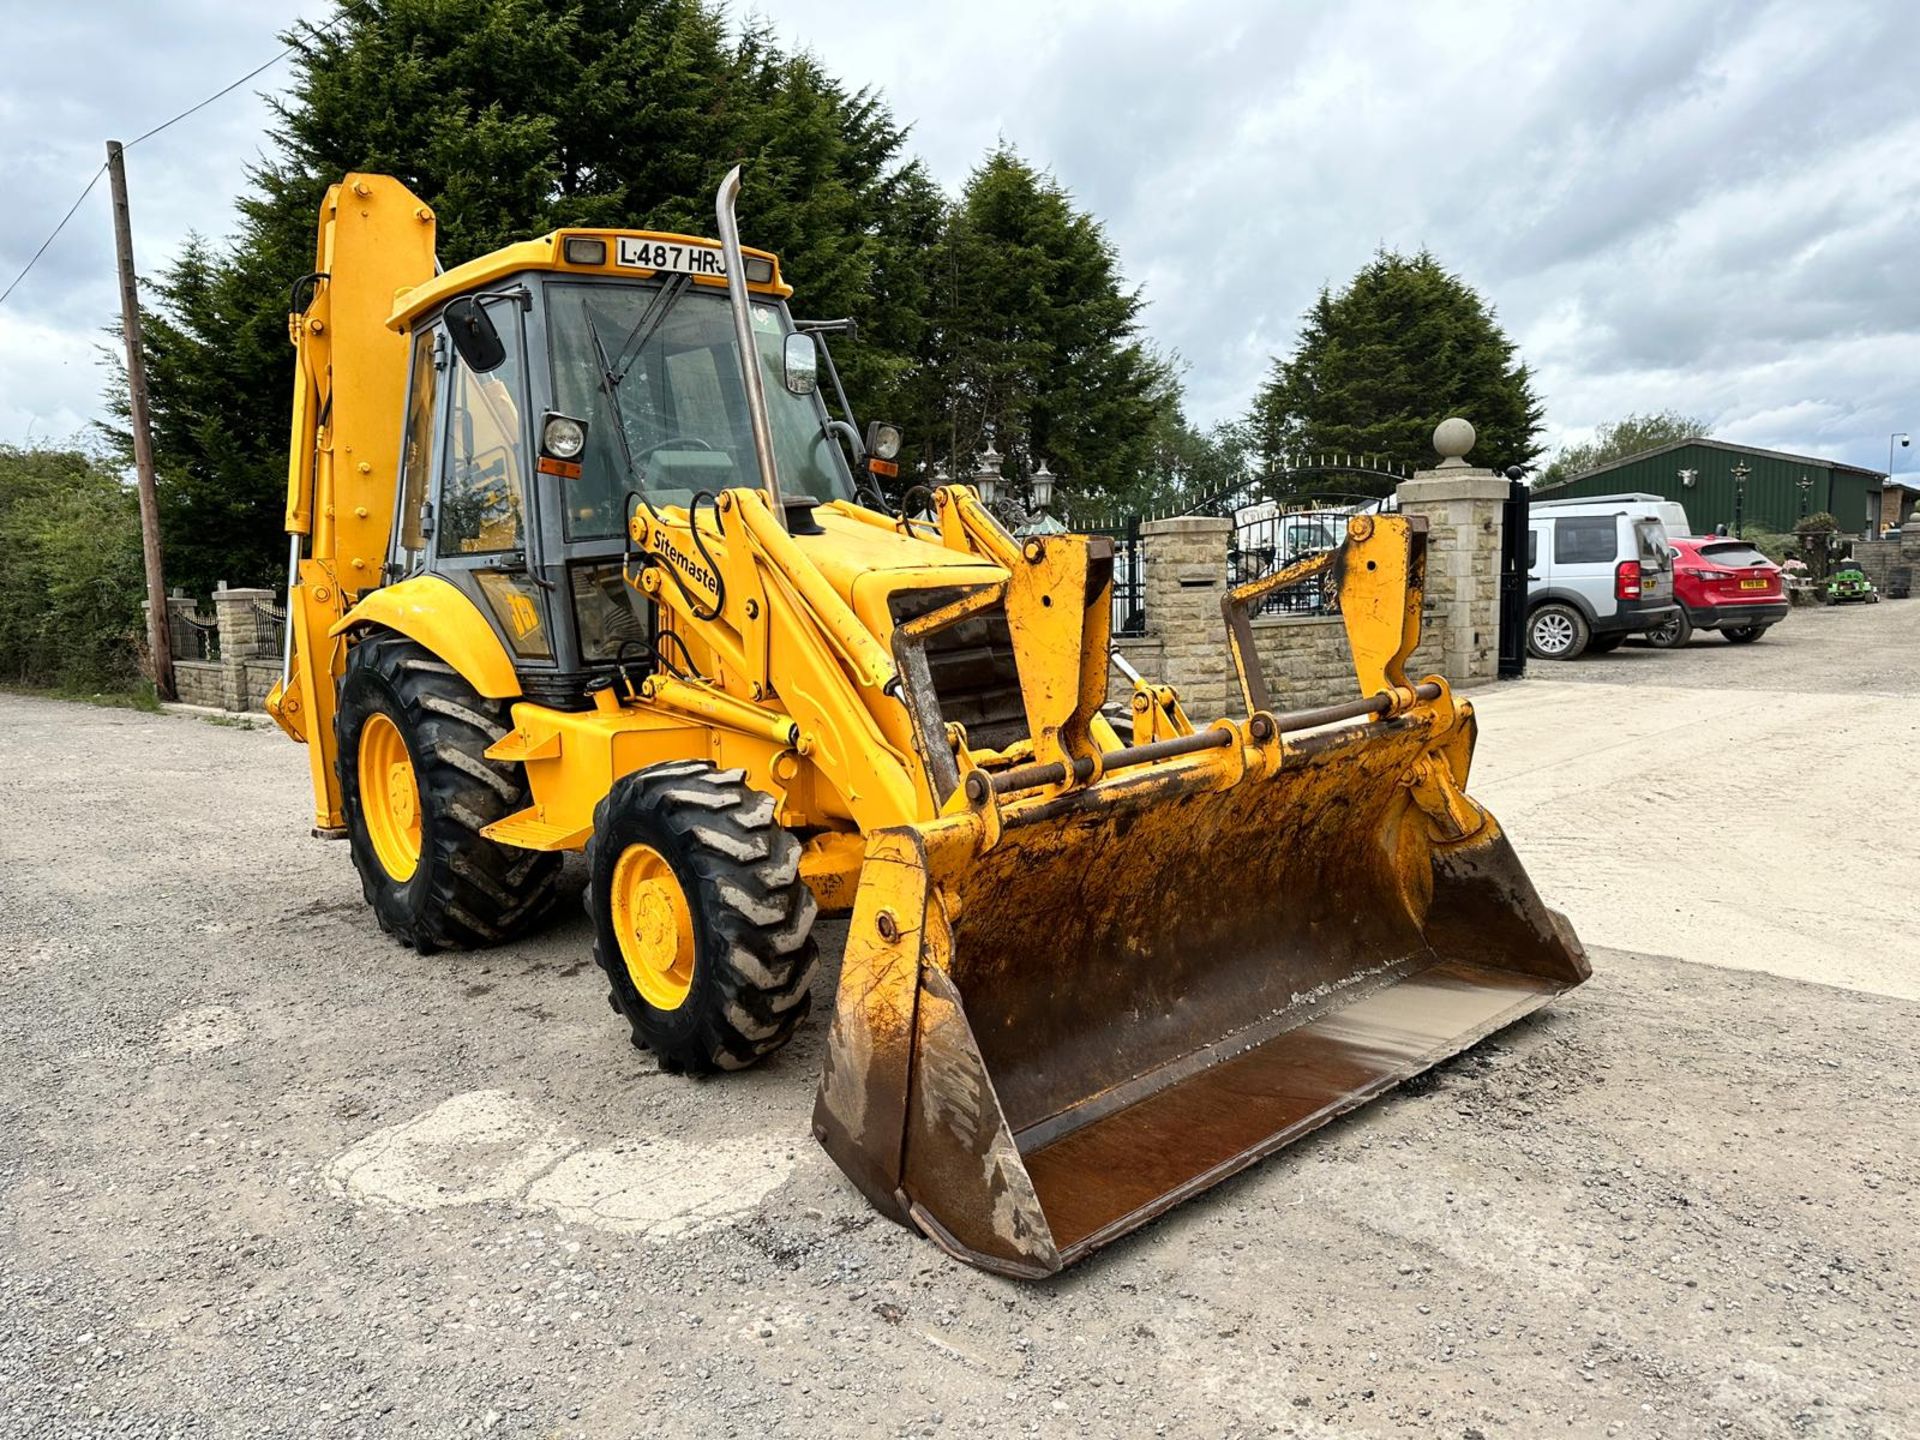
1292	720
723	709
743	341
1030	777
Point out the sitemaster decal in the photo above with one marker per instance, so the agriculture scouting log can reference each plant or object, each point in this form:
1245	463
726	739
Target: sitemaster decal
688	566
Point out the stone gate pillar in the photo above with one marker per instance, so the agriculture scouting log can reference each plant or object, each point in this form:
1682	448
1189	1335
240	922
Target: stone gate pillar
244	635
1462	505
1186	576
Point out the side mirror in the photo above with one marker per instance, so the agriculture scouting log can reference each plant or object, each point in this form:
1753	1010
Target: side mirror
800	368
474	335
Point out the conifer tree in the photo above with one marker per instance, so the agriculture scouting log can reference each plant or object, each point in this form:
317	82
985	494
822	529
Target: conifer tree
1402	347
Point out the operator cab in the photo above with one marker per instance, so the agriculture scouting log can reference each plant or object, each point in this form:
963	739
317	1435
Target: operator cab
558	384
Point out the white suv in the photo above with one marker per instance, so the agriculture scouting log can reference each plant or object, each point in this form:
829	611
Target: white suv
1597	572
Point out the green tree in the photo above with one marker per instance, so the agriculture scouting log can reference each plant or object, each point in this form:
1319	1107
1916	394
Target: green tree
1626	436
1038	345
512	117
70	576
1403	346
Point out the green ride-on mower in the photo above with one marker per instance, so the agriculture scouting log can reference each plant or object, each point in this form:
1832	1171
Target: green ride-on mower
1849	585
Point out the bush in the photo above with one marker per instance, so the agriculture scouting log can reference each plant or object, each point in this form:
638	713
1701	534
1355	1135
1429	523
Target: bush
70	573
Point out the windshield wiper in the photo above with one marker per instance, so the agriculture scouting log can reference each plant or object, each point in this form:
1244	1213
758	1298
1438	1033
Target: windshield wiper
643	330
610	387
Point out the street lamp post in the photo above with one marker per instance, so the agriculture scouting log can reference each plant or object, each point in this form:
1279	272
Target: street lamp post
1740	473
1042	479
987	479
1806	487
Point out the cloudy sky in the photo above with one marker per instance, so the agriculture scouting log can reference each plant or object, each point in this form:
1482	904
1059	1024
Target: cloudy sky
1691	204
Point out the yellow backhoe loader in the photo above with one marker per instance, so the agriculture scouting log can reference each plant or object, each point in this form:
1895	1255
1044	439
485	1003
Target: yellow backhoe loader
580	561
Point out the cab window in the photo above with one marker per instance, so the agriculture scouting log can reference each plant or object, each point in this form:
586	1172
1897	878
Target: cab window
654	372
482	503
1584	540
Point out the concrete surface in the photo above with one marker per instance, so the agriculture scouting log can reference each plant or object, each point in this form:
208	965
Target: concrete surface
1747	805
264	1174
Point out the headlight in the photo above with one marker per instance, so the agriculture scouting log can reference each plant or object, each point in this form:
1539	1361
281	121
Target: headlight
585	250
883	440
563	437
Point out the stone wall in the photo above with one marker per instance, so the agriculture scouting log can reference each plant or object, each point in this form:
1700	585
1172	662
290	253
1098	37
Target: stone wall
247	658
199	682
1463	510
1878	559
1186	578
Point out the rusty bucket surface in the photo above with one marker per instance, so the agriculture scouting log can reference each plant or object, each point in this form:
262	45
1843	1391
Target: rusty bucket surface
1140	988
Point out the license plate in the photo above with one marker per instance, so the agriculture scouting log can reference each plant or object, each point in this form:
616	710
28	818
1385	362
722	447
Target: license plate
675	259
1756	584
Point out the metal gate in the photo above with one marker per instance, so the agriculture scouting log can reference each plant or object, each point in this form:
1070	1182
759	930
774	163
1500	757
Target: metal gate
1129	571
1513	578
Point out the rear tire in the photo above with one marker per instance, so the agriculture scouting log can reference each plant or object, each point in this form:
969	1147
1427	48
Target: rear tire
1605	644
1672	635
1556	631
402	709
701	920
1745	634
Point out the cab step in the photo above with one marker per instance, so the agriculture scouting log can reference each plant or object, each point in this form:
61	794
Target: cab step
525	830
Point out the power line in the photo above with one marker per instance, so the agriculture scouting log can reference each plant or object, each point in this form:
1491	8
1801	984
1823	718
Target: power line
345	11
224	90
51	238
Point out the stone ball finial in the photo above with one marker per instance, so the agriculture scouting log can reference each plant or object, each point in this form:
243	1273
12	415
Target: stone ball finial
1453	438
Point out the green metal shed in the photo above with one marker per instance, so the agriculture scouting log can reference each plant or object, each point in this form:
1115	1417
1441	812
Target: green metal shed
1699	474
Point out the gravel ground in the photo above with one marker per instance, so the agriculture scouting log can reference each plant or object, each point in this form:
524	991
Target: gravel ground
1848	649
266	1174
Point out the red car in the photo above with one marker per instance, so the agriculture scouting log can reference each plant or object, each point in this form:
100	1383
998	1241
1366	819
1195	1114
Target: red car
1722	584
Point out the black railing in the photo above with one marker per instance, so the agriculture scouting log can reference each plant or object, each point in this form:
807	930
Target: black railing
1272	535
270	633
1129	571
195	638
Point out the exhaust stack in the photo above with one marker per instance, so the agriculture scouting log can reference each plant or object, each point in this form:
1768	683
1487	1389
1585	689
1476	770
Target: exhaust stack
750	377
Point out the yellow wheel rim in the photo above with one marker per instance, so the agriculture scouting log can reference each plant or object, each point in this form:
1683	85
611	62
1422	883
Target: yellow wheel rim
390	797
654	926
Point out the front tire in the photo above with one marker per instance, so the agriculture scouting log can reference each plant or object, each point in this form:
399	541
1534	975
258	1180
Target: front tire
701	920
417	790
1556	632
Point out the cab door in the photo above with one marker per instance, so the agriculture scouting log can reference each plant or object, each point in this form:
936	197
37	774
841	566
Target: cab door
482	514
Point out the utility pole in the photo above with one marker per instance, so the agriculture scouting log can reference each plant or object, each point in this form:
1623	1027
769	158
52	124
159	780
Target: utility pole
159	626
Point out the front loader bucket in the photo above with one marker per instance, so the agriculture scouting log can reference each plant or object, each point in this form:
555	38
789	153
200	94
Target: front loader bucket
1051	1030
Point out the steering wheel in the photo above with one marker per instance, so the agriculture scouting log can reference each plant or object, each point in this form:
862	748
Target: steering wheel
674	442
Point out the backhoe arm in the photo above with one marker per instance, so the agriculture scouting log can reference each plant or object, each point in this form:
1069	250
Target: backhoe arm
374	239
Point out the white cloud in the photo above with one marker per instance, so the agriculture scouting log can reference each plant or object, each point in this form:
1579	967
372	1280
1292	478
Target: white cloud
1701	205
